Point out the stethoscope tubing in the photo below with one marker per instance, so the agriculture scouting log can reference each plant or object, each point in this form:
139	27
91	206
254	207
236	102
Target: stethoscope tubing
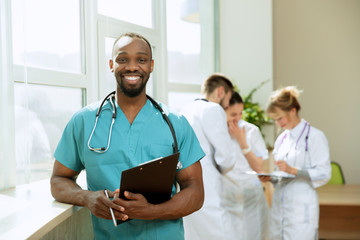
103	149
111	97
297	141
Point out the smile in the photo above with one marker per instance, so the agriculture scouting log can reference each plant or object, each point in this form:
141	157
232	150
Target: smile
132	78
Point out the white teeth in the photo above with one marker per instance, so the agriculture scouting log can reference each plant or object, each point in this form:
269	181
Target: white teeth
131	78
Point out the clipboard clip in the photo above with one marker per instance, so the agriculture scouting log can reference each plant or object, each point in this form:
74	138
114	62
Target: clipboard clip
179	165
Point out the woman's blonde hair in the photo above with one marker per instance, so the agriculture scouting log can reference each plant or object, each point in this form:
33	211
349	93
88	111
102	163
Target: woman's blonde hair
284	99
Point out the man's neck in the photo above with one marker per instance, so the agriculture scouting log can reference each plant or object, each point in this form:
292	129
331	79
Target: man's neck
131	106
212	98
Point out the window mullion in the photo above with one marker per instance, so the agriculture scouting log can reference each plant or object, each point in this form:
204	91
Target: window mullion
49	77
7	127
90	56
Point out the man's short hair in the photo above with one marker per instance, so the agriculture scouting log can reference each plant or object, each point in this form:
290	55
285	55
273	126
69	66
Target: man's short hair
132	35
214	81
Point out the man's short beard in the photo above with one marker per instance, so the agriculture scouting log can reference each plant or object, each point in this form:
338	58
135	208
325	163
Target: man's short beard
132	92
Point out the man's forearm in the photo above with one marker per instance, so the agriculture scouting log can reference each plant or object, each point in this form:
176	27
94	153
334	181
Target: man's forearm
181	204
67	190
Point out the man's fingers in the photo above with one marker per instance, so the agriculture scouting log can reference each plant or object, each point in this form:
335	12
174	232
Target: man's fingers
110	204
131	196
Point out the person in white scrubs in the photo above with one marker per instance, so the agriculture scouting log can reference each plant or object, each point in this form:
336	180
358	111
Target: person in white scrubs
301	151
245	199
208	119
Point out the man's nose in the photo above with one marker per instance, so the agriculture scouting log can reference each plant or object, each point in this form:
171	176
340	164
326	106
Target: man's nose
132	66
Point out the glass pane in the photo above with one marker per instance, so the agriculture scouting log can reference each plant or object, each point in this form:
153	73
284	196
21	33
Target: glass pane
135	11
178	100
41	114
110	82
183	42
46	34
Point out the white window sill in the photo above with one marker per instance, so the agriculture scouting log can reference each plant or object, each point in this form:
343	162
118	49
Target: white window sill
29	211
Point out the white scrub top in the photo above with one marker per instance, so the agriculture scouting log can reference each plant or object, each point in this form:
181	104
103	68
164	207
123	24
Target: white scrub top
244	197
212	221
295	206
147	138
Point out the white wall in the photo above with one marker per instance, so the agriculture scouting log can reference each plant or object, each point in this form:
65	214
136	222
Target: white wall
316	46
246	48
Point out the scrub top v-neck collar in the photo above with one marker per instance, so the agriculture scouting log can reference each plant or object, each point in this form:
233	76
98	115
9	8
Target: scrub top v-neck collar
143	111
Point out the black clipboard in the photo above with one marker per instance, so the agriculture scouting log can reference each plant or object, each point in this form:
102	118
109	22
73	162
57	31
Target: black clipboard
153	179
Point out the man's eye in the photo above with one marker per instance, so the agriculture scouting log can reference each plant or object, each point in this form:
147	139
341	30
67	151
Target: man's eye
121	60
142	60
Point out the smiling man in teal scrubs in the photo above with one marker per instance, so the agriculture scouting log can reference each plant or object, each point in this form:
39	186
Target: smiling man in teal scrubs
138	134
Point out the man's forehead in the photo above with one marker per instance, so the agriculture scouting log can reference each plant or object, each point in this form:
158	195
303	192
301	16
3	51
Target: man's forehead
125	41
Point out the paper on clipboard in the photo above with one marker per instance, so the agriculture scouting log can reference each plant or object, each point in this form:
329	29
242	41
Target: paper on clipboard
275	174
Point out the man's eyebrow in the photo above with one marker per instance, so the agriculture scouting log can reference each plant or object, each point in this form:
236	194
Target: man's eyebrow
140	53
143	53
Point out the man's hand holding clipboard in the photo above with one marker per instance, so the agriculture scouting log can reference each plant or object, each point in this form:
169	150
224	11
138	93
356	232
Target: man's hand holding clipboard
148	183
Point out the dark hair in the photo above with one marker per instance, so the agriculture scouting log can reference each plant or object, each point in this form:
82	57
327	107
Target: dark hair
216	80
132	35
235	98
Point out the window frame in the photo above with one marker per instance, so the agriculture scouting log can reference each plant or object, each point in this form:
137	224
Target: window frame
7	126
94	29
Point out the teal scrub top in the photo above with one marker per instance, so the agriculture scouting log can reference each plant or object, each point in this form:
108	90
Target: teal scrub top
149	137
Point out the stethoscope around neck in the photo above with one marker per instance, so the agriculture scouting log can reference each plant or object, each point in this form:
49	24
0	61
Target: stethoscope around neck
302	132
111	98
307	125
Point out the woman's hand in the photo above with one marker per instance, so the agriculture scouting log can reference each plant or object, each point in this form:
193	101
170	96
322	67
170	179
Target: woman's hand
264	178
238	133
283	166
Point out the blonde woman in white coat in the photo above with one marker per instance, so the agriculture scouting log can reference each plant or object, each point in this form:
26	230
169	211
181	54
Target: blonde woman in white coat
208	119
244	198
302	151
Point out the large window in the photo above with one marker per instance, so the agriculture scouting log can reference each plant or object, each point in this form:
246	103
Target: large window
54	59
46	38
138	12
183	44
190	48
41	112
50	79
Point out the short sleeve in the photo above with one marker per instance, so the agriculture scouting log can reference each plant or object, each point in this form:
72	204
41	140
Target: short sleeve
67	150
258	145
189	146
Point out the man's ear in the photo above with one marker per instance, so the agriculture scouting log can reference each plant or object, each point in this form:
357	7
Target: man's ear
220	92
111	65
152	65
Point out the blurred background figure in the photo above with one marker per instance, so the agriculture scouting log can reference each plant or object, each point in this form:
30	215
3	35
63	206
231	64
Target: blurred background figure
301	152
208	119
244	197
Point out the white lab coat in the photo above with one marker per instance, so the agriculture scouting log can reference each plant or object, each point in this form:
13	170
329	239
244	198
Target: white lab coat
295	206
212	221
244	197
